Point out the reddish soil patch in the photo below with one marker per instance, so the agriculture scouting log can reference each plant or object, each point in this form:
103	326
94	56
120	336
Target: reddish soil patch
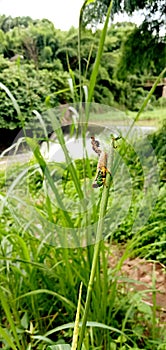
148	276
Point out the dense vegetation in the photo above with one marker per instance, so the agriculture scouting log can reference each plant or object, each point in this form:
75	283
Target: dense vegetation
56	230
37	61
40	275
153	11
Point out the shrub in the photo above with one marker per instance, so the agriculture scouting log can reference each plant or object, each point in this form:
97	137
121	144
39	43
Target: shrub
30	88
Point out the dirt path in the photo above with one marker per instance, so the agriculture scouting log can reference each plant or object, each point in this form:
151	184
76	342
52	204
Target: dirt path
144	276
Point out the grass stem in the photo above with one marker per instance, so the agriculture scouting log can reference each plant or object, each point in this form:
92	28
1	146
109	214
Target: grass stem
99	237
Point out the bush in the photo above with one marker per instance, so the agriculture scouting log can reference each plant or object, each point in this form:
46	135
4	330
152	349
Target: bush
161	102
153	231
30	88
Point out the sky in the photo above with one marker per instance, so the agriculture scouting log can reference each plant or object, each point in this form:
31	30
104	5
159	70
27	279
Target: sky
63	13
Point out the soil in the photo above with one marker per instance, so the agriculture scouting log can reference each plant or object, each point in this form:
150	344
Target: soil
148	276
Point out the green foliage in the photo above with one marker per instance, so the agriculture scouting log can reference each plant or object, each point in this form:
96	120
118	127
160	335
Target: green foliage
33	273
59	347
158	140
161	102
152	243
47	209
41	56
141	53
30	88
134	98
8	23
96	11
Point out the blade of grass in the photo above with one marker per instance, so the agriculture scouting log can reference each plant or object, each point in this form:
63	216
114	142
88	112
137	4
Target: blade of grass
15	146
7	338
46	291
88	324
43	165
147	99
15	104
154	307
99	54
10	319
99	237
59	347
60	136
76	326
72	85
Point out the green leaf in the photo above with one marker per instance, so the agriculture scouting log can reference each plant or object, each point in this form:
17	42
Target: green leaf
25	321
121	339
59	347
89	2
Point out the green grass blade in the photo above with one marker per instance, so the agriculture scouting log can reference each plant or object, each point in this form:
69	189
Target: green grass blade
73	172
15	104
99	54
76	326
7	338
46	291
59	347
147	98
102	212
43	165
88	324
42	123
10	318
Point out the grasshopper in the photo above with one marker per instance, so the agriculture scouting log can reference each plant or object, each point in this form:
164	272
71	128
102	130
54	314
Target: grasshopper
102	164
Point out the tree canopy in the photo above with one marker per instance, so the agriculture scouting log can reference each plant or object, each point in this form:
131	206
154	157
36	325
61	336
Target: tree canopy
154	11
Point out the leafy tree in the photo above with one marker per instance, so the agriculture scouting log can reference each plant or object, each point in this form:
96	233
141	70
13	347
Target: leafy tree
7	22
141	54
95	12
30	88
47	54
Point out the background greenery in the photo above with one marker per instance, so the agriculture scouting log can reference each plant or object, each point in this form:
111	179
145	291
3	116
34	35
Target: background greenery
36	61
39	282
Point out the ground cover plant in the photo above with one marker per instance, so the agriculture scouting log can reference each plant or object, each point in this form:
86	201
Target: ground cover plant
56	233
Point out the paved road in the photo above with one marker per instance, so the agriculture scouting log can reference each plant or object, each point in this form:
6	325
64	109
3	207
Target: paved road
74	147
17	158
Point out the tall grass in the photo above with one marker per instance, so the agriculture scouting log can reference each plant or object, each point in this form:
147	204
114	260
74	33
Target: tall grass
40	274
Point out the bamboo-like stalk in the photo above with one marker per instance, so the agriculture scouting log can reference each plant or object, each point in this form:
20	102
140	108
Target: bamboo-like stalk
99	237
105	193
76	326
